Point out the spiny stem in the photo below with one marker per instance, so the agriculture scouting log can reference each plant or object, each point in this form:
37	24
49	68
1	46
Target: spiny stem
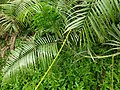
53	61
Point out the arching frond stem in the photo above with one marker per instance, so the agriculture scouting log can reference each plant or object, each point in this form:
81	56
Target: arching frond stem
53	60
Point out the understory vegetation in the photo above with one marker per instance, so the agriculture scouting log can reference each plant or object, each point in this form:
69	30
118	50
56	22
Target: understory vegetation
60	45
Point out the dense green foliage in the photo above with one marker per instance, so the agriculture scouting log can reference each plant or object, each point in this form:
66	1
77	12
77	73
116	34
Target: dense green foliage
60	45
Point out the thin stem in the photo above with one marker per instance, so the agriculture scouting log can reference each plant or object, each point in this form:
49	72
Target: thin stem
112	80
53	61
105	56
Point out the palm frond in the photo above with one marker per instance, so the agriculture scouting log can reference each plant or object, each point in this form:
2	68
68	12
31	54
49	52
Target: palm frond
19	9
26	9
8	19
93	19
8	24
40	50
114	42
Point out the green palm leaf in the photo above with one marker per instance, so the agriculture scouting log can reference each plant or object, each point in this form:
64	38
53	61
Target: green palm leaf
115	41
93	19
40	50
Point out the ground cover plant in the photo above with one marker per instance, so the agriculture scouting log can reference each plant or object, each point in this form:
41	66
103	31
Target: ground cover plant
60	45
